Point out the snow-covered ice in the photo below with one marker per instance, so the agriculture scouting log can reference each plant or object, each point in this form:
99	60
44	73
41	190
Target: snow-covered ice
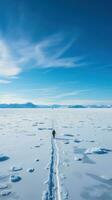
16	168
15	178
3	157
5	193
75	165
97	150
30	170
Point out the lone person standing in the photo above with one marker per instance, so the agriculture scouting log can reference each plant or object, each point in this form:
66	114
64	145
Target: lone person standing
53	133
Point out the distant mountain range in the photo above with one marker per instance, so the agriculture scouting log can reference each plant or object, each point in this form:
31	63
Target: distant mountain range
31	105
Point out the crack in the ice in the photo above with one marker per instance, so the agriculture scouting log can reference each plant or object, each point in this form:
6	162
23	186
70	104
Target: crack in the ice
50	194
53	192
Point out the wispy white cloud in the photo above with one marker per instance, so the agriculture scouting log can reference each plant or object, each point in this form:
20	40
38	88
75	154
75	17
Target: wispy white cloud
50	92
69	94
3	81
48	53
8	65
38	92
16	57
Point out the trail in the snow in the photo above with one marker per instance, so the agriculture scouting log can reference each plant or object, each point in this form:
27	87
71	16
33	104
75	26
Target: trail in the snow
57	162
50	194
57	172
53	192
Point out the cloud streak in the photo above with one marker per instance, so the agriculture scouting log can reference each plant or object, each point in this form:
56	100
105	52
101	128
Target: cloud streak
4	81
69	94
16	57
8	66
50	54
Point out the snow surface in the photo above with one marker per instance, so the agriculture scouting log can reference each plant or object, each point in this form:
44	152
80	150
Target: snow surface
75	165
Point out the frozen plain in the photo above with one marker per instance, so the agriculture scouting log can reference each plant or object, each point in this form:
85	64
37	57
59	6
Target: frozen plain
76	165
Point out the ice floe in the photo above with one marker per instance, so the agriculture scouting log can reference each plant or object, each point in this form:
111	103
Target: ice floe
37	160
3	157
77	141
15	168
30	170
66	142
37	146
41	129
5	193
69	135
15	178
97	150
90	141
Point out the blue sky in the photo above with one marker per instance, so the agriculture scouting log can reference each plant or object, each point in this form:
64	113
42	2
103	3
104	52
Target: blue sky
56	51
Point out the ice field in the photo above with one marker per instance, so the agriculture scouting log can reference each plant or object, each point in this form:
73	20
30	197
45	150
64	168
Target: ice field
76	165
